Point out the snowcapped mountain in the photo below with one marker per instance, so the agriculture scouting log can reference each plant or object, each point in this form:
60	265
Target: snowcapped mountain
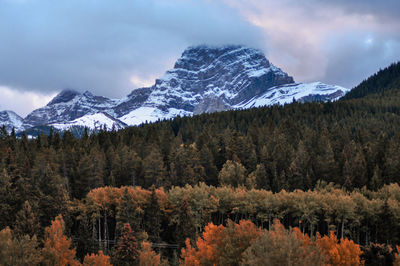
209	78
68	105
11	120
95	121
204	79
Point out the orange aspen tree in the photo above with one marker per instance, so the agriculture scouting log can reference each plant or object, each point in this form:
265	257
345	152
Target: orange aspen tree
56	250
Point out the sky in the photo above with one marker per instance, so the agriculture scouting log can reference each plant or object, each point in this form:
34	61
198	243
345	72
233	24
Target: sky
113	47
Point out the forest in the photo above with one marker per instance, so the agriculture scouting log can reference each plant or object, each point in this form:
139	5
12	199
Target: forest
313	184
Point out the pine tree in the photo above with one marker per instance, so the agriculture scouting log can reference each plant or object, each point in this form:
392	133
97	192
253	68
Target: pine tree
128	213
6	199
152	217
26	222
126	250
154	169
185	226
259	178
91	172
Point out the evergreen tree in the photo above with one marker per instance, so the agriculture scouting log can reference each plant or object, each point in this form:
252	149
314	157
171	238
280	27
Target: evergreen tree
154	169
128	213
6	199
126	250
184	225
26	222
152	217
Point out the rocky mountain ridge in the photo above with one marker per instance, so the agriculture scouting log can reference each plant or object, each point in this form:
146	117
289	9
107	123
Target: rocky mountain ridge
204	79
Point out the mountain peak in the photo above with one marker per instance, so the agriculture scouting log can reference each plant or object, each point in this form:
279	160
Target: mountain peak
11	120
88	94
195	56
214	47
205	78
64	96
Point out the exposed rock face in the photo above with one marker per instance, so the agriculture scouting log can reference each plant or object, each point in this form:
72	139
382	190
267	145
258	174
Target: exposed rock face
204	79
231	74
68	105
11	120
209	105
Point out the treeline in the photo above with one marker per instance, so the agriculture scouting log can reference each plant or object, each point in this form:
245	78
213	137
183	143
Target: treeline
235	244
183	212
208	225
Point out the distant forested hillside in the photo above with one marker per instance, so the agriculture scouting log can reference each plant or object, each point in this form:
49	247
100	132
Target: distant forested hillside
385	80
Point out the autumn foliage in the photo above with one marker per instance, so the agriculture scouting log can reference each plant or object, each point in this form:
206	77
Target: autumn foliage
97	260
279	246
126	250
345	252
147	257
220	244
244	244
57	247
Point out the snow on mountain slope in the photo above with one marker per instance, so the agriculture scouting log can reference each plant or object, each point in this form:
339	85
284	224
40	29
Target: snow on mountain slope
96	121
210	79
230	73
67	106
204	79
151	114
11	120
301	92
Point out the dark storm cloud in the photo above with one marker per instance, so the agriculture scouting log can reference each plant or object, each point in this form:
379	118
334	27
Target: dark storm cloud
103	45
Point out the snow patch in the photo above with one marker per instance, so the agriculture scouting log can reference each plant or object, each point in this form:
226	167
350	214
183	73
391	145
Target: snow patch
95	121
298	91
151	114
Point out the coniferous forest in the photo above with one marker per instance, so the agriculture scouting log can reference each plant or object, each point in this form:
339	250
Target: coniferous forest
300	184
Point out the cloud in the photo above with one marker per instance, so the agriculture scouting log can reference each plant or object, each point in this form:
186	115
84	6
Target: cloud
22	102
326	40
387	10
111	48
357	56
100	45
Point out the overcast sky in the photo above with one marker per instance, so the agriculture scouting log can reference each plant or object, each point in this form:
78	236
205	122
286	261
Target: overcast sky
112	47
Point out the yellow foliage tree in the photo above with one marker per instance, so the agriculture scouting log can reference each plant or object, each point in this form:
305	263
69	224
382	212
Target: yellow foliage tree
97	260
279	246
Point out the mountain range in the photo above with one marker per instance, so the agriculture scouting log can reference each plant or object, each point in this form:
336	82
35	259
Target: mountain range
204	79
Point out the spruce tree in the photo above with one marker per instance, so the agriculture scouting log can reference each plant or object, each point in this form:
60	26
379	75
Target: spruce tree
152	217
